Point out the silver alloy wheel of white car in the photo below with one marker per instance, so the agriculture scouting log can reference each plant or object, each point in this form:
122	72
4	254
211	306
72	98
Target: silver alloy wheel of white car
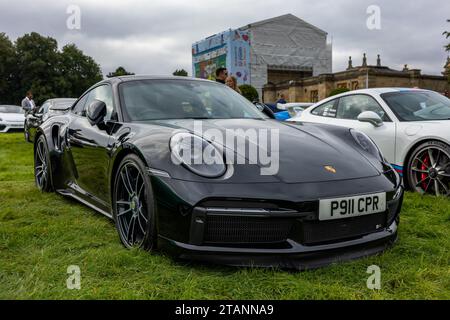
429	169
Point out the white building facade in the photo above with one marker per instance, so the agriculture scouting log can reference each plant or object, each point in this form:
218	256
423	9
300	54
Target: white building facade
283	48
286	48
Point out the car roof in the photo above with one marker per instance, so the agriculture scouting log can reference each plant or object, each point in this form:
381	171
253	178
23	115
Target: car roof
381	90
60	100
298	104
154	77
370	91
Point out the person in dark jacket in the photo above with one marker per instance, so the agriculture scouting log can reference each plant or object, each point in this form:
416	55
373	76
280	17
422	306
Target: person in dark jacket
221	75
282	99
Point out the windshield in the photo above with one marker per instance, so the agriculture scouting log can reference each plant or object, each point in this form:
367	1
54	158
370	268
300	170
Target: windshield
11	109
183	99
418	105
44	107
62	104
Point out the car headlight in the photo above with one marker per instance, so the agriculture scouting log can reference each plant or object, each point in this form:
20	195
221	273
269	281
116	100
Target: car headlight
367	144
198	155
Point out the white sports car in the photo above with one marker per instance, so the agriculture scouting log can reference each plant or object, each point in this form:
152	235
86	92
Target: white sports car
11	118
410	126
294	108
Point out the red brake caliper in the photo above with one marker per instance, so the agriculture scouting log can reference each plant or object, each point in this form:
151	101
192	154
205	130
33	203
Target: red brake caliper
425	164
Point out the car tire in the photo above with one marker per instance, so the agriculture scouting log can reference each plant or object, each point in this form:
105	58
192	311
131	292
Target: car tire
27	135
134	210
428	169
42	166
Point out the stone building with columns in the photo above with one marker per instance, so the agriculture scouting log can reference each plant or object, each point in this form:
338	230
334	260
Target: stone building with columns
313	89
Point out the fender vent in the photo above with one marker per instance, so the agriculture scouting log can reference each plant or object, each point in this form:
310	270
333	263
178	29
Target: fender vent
56	138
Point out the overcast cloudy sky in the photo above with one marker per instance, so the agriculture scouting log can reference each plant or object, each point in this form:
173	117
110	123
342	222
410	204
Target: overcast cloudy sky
155	36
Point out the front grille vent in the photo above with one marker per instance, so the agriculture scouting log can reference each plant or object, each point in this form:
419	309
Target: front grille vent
315	232
246	230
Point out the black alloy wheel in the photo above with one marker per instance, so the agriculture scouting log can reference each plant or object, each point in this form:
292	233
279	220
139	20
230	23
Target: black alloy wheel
25	133
133	205
42	168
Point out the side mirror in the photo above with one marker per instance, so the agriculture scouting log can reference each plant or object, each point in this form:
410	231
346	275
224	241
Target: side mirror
371	117
96	112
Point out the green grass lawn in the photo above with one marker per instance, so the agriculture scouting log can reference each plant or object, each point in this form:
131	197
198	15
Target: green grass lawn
42	234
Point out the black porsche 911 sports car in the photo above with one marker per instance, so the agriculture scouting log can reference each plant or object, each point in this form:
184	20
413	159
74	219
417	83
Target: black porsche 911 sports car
49	108
131	148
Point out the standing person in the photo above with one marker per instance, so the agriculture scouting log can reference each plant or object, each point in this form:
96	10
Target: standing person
282	99
28	102
221	75
232	83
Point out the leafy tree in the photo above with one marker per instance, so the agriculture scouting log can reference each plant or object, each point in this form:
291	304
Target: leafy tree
78	71
34	62
37	66
338	91
447	48
249	92
7	75
447	69
120	71
447	35
181	73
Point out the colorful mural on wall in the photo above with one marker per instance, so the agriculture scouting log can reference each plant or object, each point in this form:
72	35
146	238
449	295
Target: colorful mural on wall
230	49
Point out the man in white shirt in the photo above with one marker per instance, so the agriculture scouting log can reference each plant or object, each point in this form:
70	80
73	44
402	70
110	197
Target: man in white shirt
28	103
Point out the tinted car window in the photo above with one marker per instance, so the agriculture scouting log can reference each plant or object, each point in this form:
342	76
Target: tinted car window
327	109
44	107
351	106
418	105
102	93
78	108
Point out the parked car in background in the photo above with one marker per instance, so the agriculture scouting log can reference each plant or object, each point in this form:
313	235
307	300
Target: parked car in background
48	108
264	108
127	151
11	118
291	109
280	111
411	127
